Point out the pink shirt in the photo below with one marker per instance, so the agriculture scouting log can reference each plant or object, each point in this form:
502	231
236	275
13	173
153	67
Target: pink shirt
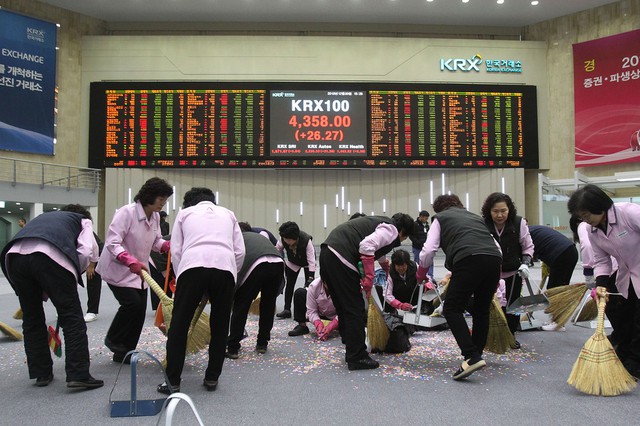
208	236
129	231
311	256
586	252
621	241
86	247
319	303
383	235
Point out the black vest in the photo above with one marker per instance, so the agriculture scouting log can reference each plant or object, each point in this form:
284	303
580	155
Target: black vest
509	243
300	256
346	237
255	246
61	229
272	237
404	289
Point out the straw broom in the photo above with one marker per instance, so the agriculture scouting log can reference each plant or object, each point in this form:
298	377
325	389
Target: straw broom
254	309
563	301
589	311
443	291
18	314
200	330
598	371
165	301
377	330
10	332
499	339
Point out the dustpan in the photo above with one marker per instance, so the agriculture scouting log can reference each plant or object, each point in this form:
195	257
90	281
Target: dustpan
531	303
135	407
414	318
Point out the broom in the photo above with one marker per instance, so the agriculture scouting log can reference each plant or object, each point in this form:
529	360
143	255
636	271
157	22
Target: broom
165	301
254	309
377	330
563	301
598	371
589	311
499	339
200	330
18	314
443	286
10	332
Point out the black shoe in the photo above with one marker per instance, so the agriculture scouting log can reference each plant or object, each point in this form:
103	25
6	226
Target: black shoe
299	330
261	349
232	354
121	358
211	385
44	381
516	345
115	347
166	389
365	363
468	367
89	383
284	314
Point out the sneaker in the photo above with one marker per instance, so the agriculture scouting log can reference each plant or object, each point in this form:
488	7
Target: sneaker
261	349
553	327
211	385
90	317
366	363
167	389
516	345
284	314
89	383
468	367
299	330
44	381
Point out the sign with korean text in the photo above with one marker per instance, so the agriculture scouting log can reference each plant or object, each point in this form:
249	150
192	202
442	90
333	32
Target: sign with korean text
607	100
27	83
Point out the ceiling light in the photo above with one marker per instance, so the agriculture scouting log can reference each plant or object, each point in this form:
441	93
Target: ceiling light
1	204
17	204
465	1
627	176
534	3
429	1
500	1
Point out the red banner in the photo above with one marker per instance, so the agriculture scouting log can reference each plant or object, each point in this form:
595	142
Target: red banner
607	100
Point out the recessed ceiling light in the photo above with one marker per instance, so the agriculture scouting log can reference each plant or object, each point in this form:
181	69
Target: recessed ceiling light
465	1
535	3
500	1
429	1
17	204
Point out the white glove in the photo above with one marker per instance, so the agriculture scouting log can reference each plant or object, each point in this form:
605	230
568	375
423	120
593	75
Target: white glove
590	281
523	271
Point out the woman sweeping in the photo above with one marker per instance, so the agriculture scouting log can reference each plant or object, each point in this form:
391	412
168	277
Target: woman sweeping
473	257
133	233
615	231
511	232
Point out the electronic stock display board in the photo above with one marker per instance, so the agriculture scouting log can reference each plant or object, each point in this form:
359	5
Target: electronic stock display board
312	125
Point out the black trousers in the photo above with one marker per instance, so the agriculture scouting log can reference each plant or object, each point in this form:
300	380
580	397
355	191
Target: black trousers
265	278
562	269
194	284
513	289
624	315
300	305
31	275
475	276
127	324
94	289
346	293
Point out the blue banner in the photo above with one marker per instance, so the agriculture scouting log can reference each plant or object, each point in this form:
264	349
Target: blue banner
27	83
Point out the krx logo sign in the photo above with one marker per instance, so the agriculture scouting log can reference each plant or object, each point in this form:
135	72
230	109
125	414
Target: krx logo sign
465	65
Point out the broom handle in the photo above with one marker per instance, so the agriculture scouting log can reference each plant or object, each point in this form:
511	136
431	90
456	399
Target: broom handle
198	312
166	272
602	302
155	287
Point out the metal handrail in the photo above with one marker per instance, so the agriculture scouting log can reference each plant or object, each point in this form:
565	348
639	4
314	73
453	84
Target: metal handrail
49	174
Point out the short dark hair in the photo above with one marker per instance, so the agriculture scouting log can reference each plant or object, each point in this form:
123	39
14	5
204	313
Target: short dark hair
424	213
403	222
590	198
196	195
400	257
289	230
77	208
443	202
152	189
245	226
163	213
498	197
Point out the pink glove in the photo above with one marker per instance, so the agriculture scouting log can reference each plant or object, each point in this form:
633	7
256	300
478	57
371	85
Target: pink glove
406	306
396	304
369	270
594	295
385	264
165	247
134	265
421	274
428	284
329	329
319	326
136	268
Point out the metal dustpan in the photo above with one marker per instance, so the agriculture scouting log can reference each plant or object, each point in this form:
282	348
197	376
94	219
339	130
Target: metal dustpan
414	318
135	407
531	303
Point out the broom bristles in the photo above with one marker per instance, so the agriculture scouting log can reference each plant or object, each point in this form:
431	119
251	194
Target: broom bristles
10	332
377	330
499	339
589	311
598	371
254	309
200	330
18	314
563	301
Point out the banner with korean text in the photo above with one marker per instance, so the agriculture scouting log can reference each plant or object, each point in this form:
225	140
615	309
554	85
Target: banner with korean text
27	83
607	100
